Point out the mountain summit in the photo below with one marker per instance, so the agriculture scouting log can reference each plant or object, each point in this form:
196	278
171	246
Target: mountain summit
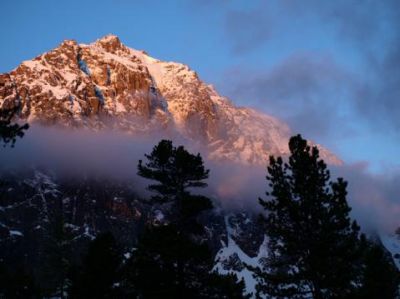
105	84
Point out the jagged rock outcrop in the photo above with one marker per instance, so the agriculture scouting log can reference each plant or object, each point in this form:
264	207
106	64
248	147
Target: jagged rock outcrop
108	85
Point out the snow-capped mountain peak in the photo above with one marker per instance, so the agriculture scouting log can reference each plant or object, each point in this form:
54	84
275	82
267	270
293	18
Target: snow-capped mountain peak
107	84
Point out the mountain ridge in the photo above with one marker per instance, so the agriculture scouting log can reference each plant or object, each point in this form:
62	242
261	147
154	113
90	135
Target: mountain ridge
106	84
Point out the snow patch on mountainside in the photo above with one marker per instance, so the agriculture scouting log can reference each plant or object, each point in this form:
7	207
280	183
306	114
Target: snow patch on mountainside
231	259
392	244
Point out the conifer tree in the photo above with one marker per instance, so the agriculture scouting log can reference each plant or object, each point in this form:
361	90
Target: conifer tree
380	277
9	132
99	275
224	287
17	283
57	253
175	171
314	247
171	260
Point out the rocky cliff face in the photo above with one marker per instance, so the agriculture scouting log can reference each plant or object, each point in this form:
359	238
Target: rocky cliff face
108	85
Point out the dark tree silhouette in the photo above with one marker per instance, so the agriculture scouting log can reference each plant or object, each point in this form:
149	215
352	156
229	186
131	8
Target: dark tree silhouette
172	260
56	260
224	287
175	171
380	277
314	247
99	275
9	132
17	283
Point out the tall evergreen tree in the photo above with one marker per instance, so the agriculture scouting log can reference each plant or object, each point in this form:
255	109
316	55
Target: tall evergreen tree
9	132
224	287
99	275
17	283
380	277
57	253
172	260
314	247
175	172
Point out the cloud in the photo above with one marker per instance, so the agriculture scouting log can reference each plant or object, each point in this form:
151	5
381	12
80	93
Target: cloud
375	199
379	98
357	22
78	152
112	155
236	186
306	91
348	85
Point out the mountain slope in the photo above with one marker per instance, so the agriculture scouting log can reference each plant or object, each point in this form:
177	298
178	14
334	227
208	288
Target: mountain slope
108	85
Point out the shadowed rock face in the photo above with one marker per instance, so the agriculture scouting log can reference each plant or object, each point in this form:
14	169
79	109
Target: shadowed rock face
108	85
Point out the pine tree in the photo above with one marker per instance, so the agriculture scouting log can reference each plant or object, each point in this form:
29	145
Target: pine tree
17	283
99	275
224	287
171	260
175	172
57	253
314	247
380	277
10	131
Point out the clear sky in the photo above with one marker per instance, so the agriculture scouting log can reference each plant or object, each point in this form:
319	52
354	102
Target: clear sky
331	69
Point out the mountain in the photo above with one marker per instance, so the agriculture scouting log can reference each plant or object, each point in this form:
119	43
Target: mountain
108	85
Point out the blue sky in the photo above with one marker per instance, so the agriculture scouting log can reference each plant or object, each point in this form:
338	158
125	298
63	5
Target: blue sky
331	69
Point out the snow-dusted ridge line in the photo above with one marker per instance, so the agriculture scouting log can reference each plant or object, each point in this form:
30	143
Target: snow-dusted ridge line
82	84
